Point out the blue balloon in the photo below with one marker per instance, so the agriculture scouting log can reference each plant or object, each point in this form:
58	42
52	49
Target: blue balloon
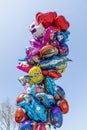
27	125
34	109
56	117
52	62
53	89
61	37
46	99
49	85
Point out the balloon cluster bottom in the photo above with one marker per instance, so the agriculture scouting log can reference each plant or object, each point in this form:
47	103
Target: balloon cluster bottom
41	106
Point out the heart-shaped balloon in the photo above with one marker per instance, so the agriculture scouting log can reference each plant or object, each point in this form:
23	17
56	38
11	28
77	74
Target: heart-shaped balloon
46	19
61	23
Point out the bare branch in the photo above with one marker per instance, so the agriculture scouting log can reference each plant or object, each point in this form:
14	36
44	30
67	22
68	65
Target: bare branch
7	121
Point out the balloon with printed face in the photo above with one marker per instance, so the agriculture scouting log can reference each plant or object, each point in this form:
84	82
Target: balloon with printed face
61	37
37	30
35	75
21	115
27	125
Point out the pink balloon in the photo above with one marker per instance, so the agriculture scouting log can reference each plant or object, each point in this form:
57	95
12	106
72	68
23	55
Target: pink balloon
48	35
36	44
24	66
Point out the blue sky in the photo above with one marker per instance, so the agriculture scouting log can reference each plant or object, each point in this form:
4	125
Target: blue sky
15	17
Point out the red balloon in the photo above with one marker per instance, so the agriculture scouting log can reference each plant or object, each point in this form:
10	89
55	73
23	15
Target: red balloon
20	98
64	106
46	19
52	74
20	115
61	23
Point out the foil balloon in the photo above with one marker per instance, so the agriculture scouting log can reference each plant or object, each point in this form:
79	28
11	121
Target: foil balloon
53	89
20	98
34	109
63	104
52	62
48	82
61	23
24	67
35	75
56	117
61	37
21	115
24	80
40	126
49	34
27	125
63	50
31	51
51	73
48	51
61	68
36	44
46	99
59	90
37	30
36	88
46	19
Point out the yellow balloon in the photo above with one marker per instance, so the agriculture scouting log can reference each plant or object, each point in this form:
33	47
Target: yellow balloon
35	75
61	71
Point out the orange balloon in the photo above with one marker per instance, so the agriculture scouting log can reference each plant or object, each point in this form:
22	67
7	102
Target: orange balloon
20	115
48	51
20	98
64	106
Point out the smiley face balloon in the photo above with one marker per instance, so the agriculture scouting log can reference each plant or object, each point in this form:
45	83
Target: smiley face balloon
35	75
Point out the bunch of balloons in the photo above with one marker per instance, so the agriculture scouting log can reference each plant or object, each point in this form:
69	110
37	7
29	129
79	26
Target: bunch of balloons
43	103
